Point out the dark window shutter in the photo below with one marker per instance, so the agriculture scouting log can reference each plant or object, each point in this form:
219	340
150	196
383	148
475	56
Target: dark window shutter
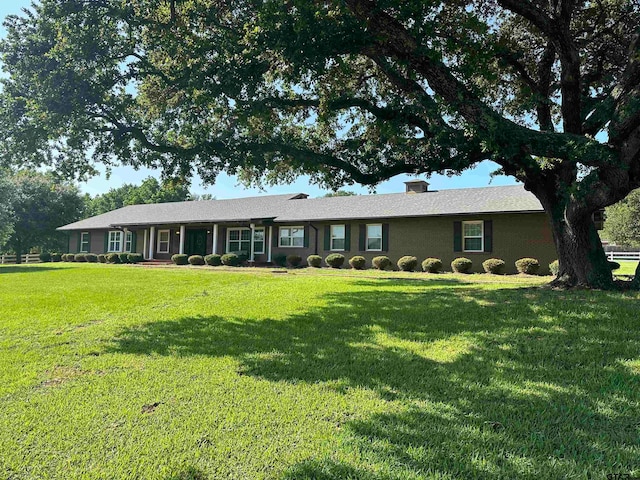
327	237
385	237
106	242
134	239
488	235
362	237
457	236
78	246
306	236
347	237
275	236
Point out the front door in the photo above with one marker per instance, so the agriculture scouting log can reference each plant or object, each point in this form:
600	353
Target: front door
196	242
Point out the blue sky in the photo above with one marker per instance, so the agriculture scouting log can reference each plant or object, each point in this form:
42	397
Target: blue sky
227	187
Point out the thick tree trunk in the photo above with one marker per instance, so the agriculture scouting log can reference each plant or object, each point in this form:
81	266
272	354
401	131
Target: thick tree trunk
580	254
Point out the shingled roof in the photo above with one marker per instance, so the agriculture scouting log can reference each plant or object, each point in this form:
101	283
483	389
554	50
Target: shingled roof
299	208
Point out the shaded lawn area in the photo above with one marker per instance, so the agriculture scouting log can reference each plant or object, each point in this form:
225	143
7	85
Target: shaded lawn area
184	373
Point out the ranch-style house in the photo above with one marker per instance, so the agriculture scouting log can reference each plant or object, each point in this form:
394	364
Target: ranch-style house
478	223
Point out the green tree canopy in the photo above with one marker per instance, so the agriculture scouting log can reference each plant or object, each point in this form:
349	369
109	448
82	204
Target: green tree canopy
343	91
622	221
149	191
7	192
40	204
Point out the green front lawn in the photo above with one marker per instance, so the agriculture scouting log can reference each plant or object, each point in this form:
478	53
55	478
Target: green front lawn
115	372
627	267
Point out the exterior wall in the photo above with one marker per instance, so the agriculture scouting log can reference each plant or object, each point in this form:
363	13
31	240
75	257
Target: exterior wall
96	241
514	236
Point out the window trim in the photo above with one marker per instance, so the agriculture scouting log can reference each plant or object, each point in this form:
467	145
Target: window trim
82	242
120	242
343	238
481	236
168	242
128	238
366	237
251	240
301	227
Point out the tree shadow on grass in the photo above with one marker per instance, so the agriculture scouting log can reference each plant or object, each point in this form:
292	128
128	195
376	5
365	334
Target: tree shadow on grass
26	268
492	383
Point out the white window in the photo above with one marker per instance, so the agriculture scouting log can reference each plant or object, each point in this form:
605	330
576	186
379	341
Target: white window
337	237
239	240
84	242
115	241
374	237
128	241
473	236
258	240
164	239
291	237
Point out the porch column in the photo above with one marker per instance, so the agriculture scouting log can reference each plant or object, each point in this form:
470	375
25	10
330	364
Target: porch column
145	244
252	226
270	243
214	248
152	236
183	231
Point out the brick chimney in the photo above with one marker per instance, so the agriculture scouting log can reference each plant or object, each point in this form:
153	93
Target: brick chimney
416	186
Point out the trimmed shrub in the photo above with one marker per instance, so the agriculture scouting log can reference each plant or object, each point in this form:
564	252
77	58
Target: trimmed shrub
529	266
80	257
124	257
68	257
230	259
613	265
102	258
213	260
554	267
113	258
56	257
91	257
407	263
242	258
495	266
314	261
45	257
280	259
334	260
462	265
135	257
180	259
358	262
381	262
196	260
294	260
432	265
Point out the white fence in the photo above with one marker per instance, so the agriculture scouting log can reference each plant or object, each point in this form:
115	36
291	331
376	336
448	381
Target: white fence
612	256
30	258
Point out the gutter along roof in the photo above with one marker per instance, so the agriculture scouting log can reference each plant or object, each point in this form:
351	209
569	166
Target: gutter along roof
298	208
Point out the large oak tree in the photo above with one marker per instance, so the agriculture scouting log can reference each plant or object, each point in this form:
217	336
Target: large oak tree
344	91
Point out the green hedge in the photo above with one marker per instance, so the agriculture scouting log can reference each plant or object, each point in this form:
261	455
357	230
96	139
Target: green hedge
461	265
529	266
314	261
407	263
180	259
214	260
334	260
358	262
495	266
432	265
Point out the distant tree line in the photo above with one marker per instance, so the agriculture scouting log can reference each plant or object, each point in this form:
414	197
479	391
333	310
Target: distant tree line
33	204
